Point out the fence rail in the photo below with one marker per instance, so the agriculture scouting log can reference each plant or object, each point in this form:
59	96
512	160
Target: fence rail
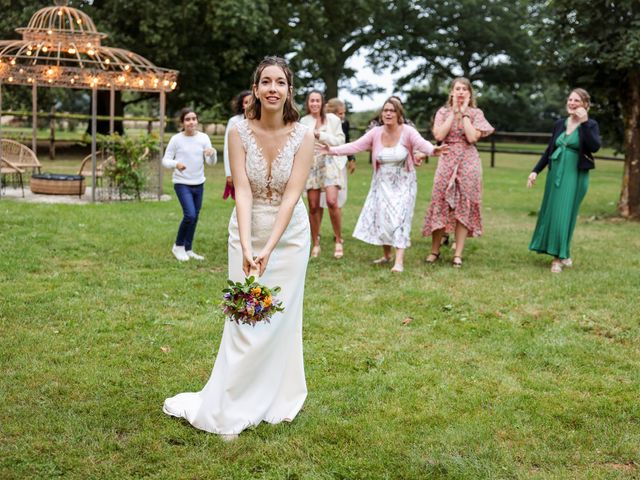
493	148
490	145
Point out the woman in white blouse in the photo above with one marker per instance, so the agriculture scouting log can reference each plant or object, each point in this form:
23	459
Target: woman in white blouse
325	173
239	105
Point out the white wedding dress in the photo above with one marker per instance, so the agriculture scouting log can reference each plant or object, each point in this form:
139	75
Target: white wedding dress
258	373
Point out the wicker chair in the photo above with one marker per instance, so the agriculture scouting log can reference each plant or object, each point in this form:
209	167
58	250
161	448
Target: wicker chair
20	156
9	169
101	160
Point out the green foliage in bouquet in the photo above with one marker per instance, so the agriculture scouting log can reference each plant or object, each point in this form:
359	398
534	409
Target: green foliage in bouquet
250	302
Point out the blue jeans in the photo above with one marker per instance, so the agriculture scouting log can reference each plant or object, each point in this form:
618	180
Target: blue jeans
190	197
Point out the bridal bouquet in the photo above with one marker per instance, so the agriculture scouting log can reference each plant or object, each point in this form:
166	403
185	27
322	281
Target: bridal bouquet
250	302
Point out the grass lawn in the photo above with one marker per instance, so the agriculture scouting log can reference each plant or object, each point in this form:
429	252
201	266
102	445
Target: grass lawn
504	372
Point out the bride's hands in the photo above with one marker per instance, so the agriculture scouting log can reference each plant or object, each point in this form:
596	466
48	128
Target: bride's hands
261	261
248	264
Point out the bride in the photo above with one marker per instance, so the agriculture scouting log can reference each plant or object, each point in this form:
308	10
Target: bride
258	374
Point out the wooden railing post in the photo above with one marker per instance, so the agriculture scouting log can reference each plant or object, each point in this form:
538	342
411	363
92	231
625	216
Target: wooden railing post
52	133
493	151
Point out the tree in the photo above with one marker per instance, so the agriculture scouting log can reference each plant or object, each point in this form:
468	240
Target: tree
215	45
483	41
595	44
487	42
325	34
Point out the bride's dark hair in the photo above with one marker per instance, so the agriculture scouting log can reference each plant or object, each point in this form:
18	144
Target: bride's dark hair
290	113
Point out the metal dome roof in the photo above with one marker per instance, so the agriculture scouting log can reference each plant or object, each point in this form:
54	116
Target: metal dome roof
62	47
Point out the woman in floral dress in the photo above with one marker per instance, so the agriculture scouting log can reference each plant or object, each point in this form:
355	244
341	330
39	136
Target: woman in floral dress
385	219
457	187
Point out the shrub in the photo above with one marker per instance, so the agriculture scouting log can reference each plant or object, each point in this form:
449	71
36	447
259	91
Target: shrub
127	173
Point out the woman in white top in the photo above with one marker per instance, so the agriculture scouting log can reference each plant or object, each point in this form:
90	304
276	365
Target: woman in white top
186	153
325	172
238	105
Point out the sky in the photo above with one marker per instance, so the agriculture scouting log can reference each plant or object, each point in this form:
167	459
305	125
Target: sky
386	80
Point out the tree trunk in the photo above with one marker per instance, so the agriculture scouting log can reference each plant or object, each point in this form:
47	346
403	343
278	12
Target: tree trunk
103	101
629	205
331	83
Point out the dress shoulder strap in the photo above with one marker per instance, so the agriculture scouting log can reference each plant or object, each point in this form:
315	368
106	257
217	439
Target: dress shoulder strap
299	131
245	133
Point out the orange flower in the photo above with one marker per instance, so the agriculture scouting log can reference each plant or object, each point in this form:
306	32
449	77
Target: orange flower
266	302
256	291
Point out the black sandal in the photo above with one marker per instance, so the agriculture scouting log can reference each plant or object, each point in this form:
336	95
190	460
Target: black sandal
457	264
435	259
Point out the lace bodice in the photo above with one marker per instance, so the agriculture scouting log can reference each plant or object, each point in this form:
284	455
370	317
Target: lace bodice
268	187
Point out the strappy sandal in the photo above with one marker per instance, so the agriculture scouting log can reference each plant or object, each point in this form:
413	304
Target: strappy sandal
339	251
458	263
382	261
432	258
315	251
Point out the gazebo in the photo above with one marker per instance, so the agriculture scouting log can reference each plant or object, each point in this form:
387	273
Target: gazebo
61	47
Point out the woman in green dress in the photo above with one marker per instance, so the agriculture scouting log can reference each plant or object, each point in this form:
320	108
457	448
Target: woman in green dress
569	157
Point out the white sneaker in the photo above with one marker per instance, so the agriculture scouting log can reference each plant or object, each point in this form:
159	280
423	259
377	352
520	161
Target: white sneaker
194	255
566	262
179	253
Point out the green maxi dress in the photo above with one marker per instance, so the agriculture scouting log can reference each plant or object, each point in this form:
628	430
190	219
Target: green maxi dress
564	191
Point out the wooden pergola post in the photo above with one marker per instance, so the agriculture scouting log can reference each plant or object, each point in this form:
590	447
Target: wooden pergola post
34	117
94	122
162	126
112	108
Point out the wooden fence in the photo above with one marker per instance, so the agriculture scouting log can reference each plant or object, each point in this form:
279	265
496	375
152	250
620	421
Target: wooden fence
493	144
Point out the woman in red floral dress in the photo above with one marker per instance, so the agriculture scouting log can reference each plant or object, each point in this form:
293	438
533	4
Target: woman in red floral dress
457	187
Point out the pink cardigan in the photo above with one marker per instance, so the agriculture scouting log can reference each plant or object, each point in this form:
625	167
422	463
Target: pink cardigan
372	141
